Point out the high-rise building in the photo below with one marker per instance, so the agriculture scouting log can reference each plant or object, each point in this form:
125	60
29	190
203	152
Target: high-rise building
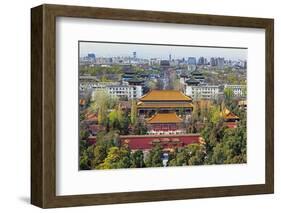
92	56
205	61
134	55
213	62
220	63
201	61
170	57
191	60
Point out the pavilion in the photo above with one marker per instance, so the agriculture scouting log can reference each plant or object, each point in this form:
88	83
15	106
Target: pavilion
165	123
164	101
230	119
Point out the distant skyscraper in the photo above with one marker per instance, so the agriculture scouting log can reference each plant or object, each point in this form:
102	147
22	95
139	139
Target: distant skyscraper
205	61
201	61
220	63
191	60
92	56
134	55
170	57
213	62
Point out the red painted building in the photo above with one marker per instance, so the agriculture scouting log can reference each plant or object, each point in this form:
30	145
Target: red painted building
146	142
230	119
165	124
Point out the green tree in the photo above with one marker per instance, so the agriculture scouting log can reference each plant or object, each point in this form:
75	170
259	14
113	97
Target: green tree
178	158
137	159
114	119
139	128
154	158
244	91
196	154
86	156
215	114
84	162
84	134
104	142
102	102
232	146
119	120
228	94
220	153
116	158
133	112
192	154
212	134
125	124
100	153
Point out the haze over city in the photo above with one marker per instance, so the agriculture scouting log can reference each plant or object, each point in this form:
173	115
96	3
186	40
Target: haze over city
160	51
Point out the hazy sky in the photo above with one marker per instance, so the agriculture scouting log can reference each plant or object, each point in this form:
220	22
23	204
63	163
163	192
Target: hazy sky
159	51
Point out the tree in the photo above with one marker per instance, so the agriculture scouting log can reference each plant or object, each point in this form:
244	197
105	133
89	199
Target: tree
124	121
192	154
236	140
172	158
196	154
116	158
100	153
140	128
215	114
102	102
228	95
244	91
133	112
84	163
220	153
86	156
232	146
137	159
84	134
212	134
154	158
104	142
119	120
113	119
178	158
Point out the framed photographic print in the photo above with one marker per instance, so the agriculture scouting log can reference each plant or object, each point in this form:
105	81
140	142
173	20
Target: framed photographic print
137	106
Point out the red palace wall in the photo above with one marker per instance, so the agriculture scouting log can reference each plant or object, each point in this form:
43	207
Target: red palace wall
144	142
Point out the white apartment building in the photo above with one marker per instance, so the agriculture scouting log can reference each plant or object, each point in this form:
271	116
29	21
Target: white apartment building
202	91
121	91
238	90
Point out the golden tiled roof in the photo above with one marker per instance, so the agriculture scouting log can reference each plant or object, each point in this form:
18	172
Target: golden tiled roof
164	118
141	105
165	95
229	115
82	101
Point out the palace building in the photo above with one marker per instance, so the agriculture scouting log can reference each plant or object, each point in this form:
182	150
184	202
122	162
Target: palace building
164	101
165	124
230	119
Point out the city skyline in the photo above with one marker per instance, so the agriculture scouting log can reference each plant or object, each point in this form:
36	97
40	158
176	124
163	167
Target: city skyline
148	51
